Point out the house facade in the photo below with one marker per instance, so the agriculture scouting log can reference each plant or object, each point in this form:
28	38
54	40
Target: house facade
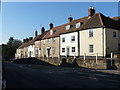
50	42
69	44
93	35
49	47
99	38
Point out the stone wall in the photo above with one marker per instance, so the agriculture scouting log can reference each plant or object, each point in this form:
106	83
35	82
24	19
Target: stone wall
88	63
101	63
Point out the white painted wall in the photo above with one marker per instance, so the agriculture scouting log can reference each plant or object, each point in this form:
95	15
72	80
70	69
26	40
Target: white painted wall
69	44
18	53
31	49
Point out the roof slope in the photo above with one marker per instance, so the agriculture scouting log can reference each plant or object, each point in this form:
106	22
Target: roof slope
96	21
99	20
31	42
62	28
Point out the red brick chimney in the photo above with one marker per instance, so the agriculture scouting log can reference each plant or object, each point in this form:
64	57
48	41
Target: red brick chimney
91	11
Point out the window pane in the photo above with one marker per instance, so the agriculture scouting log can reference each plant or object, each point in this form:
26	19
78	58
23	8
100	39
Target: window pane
53	49
53	39
90	33
63	49
73	49
72	38
67	27
114	34
63	39
91	48
78	25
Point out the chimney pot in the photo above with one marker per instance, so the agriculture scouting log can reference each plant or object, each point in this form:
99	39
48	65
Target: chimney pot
51	25
27	39
36	33
70	19
42	30
91	11
24	40
30	38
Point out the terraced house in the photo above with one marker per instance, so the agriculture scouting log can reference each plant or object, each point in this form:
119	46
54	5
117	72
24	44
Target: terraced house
94	34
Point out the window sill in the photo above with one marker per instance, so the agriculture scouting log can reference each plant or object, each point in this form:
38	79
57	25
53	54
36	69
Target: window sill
72	41
91	53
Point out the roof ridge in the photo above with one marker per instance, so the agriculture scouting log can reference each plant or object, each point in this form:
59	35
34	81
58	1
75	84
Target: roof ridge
99	14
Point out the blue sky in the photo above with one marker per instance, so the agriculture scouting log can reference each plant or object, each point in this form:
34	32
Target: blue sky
21	19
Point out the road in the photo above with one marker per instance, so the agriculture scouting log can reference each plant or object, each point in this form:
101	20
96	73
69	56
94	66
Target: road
41	76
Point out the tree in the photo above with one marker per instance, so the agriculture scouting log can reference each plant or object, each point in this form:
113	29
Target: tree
8	50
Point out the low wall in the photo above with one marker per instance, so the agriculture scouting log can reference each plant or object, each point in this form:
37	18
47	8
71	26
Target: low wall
54	61
88	63
101	63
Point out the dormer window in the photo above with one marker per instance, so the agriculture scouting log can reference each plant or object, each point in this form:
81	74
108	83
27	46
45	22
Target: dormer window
51	32
67	27
78	25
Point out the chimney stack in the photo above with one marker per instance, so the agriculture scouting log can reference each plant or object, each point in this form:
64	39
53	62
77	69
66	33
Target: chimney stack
42	30
51	25
91	11
24	40
27	39
70	19
30	38
36	33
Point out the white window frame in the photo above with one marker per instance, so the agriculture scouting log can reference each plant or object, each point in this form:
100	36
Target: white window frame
51	32
44	41
62	50
91	47
67	27
115	34
37	51
78	25
89	33
53	40
72	38
62	39
53	49
48	40
73	49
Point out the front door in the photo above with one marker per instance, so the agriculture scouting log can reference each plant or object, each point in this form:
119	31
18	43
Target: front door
68	51
48	52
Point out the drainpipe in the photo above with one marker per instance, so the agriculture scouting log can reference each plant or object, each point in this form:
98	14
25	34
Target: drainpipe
103	40
78	44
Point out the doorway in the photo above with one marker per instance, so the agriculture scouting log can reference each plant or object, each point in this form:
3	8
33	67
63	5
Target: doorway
68	51
48	52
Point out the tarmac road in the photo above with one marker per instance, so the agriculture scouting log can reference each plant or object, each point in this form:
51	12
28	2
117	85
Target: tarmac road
41	76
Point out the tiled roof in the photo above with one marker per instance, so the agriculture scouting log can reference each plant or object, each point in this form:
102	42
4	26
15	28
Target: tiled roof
96	21
99	20
32	42
117	19
62	28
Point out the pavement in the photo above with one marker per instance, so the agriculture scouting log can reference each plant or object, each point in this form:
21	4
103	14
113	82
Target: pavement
43	76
